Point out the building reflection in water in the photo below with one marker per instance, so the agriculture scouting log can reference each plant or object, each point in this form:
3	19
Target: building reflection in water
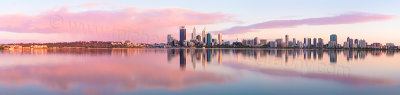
151	74
182	58
332	56
206	56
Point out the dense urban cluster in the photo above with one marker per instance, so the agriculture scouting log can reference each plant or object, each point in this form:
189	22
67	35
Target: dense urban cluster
195	40
206	40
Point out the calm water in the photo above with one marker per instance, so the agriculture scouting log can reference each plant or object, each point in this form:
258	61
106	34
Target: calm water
199	71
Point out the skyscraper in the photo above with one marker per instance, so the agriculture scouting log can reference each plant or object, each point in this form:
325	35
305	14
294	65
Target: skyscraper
169	39
333	37
220	38
351	43
256	41
333	41
209	39
315	43
204	35
182	35
194	34
309	42
356	43
286	40
320	43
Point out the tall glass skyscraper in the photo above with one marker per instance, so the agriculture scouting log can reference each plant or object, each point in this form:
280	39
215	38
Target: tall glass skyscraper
182	35
204	35
209	39
333	37
286	40
315	43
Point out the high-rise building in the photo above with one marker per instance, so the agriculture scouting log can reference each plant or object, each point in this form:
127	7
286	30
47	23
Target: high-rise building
209	39
219	38
333	37
204	35
362	43
309	42
333	41
320	43
169	39
294	41
286	40
256	41
315	43
194	34
305	42
350	42
356	45
182	35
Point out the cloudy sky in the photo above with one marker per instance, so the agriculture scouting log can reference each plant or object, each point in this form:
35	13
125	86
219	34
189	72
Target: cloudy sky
151	20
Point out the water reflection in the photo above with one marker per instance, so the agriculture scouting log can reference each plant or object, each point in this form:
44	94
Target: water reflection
177	69
333	72
130	69
206	55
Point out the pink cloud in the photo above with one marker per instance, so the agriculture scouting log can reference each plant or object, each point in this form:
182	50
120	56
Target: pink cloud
136	24
90	4
349	18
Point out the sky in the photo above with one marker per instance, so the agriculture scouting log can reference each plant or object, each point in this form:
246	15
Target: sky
150	21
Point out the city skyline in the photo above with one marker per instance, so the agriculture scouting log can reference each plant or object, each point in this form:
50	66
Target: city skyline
315	43
65	21
205	47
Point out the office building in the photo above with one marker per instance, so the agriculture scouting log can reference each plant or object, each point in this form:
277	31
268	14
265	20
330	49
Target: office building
204	35
286	40
308	42
182	35
209	39
220	38
315	43
320	43
256	41
169	39
333	41
362	44
194	34
294	41
333	37
356	43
